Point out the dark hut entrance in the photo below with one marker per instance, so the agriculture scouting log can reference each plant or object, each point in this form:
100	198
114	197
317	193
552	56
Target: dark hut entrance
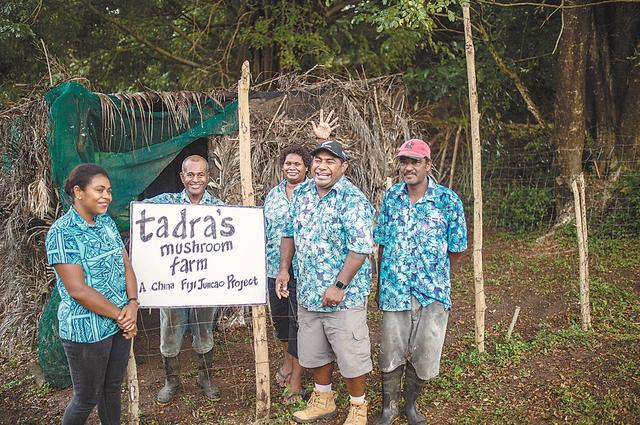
169	179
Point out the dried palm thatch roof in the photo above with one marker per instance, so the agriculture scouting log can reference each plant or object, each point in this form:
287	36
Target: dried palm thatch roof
120	110
28	206
373	122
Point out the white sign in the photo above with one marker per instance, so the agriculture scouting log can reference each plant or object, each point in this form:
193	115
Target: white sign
198	255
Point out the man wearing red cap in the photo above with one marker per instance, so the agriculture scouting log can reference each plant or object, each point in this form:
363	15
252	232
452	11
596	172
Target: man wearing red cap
420	228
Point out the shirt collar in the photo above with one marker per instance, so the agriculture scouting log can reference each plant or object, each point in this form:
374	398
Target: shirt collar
340	185
283	184
433	191
184	197
77	219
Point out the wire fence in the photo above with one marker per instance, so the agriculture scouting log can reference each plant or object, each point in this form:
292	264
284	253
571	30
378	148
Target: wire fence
520	198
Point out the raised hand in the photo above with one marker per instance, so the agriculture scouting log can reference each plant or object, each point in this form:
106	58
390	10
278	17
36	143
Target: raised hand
323	129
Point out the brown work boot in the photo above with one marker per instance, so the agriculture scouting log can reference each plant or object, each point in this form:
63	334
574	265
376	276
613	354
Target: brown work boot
320	406
357	414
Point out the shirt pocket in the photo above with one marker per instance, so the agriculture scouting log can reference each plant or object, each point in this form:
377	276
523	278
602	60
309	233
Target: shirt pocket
432	227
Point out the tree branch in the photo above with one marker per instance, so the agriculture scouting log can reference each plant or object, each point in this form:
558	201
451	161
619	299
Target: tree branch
144	41
522	89
552	6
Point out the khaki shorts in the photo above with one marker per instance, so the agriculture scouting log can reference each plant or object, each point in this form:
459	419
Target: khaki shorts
340	336
416	336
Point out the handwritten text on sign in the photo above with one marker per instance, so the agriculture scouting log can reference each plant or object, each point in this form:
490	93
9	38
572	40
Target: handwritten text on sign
198	255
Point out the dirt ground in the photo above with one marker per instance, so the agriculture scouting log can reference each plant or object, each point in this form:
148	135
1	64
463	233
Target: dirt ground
550	371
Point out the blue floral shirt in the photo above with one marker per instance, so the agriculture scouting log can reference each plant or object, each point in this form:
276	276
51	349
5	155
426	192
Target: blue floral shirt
417	240
276	212
324	230
98	249
183	198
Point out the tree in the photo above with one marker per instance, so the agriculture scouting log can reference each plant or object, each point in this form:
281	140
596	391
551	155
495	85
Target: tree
570	101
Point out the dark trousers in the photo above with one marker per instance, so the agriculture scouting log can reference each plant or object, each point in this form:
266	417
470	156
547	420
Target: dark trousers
97	370
284	312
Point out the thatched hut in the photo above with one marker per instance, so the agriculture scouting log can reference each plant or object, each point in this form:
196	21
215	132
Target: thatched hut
128	132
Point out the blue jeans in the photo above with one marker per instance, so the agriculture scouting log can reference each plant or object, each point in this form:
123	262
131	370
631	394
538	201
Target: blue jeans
174	323
97	370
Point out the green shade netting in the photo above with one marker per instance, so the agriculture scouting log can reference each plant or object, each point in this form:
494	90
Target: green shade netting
51	355
140	143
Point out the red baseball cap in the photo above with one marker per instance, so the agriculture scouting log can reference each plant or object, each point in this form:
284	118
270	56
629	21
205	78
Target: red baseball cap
414	148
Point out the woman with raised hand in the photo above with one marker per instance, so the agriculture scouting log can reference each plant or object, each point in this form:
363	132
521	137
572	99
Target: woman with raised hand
98	290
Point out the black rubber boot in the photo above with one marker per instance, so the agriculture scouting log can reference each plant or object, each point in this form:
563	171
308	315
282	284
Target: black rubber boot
172	379
412	389
391	385
205	376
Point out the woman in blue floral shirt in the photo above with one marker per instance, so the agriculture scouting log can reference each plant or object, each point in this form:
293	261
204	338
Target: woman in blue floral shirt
294	162
98	291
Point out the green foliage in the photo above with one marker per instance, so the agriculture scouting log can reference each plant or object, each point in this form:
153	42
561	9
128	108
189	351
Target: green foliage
614	309
623	214
526	208
446	78
411	14
521	155
167	45
294	32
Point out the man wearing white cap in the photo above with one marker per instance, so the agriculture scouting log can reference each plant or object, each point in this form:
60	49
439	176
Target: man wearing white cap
420	229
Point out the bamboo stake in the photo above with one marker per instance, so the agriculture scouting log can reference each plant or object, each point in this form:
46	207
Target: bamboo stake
134	389
455	154
513	322
263	396
577	185
46	56
477	183
443	154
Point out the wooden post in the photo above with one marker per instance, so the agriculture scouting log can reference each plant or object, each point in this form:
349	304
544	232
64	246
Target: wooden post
514	319
477	181
455	155
263	396
577	185
133	389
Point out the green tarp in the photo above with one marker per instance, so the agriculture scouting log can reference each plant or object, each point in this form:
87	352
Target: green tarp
77	136
140	144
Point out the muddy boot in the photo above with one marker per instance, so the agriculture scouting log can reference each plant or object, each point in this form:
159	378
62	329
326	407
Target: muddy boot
391	384
412	389
205	376
320	406
172	379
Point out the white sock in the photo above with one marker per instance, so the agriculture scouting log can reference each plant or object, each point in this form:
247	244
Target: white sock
357	400
323	388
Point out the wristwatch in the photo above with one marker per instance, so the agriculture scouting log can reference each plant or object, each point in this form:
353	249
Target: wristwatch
340	285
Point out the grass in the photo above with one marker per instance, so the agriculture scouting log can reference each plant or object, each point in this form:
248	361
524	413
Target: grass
594	376
551	370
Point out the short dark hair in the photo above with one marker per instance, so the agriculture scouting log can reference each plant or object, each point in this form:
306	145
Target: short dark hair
296	150
81	176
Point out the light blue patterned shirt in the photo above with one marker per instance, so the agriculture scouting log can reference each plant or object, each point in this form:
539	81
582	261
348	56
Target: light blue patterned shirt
324	230
276	212
183	198
98	249
417	240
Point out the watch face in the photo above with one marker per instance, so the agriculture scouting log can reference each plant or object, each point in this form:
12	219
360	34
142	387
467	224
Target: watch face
340	285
